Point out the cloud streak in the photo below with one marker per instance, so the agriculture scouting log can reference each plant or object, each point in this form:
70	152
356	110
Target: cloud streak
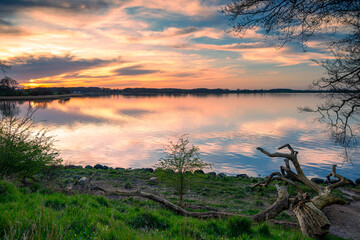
161	44
134	71
31	66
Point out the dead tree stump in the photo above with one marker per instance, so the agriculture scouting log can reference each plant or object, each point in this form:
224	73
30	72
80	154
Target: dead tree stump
312	221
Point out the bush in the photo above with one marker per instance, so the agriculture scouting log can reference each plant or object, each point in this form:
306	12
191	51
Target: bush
55	203
178	164
128	185
238	226
102	201
24	151
259	203
8	192
147	221
264	230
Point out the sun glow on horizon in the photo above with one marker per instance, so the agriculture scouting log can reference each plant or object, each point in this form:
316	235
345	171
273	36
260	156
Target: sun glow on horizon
145	44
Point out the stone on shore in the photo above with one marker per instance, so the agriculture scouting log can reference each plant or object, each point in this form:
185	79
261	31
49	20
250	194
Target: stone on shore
242	176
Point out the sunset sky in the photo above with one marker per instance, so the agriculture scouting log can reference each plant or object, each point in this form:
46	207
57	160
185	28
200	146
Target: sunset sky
145	43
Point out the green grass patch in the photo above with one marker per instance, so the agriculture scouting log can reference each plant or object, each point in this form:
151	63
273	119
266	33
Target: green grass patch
47	215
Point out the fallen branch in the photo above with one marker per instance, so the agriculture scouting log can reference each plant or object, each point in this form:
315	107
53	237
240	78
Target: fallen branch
282	203
167	204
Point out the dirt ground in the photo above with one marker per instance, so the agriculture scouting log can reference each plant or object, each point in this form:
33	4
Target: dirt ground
345	219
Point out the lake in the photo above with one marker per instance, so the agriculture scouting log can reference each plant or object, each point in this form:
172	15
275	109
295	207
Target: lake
131	132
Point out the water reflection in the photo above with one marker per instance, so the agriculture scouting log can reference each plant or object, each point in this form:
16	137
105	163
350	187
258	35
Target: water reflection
8	109
131	131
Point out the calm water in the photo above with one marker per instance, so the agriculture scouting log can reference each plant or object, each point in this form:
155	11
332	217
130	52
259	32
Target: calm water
131	132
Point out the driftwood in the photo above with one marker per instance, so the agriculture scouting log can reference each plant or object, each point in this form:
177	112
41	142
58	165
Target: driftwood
167	204
280	205
312	220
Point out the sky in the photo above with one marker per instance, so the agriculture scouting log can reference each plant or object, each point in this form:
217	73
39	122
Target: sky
145	43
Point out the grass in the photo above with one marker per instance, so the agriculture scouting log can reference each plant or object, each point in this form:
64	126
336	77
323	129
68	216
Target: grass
45	213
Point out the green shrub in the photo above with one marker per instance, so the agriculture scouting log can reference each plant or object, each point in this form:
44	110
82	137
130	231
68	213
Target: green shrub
259	203
102	201
55	204
8	192
23	150
264	230
127	185
147	221
4	225
35	187
215	228
237	226
177	166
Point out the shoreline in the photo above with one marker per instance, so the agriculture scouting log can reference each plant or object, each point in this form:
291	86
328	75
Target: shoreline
318	180
40	97
68	96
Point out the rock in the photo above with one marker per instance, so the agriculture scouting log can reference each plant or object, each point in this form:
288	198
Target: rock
153	179
222	175
199	172
318	180
82	181
212	174
88	167
332	181
69	187
242	176
357	181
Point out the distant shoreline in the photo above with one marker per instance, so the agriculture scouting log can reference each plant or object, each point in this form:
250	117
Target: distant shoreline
66	93
39	97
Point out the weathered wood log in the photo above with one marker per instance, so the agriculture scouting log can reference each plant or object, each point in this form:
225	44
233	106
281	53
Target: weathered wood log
167	204
282	203
313	222
322	201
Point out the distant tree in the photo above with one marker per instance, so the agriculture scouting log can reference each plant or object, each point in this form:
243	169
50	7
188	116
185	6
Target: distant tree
6	83
24	150
335	23
180	159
